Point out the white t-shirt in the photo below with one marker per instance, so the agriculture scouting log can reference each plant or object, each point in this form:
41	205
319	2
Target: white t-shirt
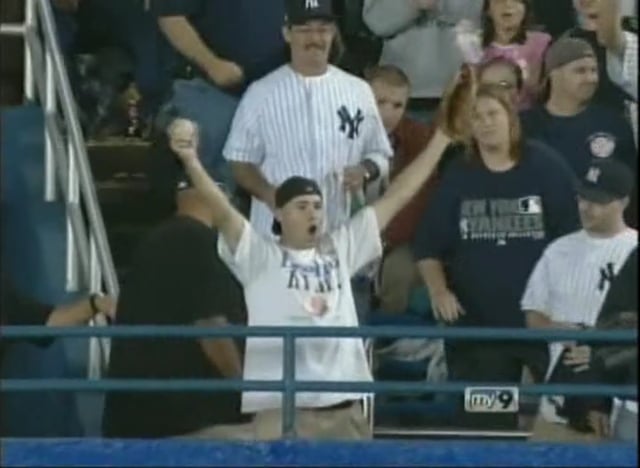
570	282
285	287
291	125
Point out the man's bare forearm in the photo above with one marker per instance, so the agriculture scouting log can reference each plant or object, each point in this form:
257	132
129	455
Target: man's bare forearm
185	39
433	275
223	355
210	191
407	184
227	218
250	177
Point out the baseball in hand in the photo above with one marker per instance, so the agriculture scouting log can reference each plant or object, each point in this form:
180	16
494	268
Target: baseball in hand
183	139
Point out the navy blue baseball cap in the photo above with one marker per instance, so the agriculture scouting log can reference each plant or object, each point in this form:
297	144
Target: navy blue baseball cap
606	181
291	188
302	11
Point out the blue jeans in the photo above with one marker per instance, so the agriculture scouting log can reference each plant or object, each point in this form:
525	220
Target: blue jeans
212	110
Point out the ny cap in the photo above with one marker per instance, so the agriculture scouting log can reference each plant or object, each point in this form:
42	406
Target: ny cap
302	11
566	50
606	181
290	189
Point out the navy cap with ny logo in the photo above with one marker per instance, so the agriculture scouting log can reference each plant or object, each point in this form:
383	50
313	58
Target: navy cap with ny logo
606	181
301	11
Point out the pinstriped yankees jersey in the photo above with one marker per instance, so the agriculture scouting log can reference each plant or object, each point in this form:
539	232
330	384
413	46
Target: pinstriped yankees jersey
570	282
291	125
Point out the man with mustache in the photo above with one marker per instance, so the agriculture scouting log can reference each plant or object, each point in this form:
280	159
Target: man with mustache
311	119
307	118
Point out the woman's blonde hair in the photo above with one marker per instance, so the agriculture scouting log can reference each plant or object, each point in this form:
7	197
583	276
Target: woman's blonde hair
515	130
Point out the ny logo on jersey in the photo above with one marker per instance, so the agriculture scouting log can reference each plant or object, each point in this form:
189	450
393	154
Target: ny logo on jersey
350	124
607	275
311	4
593	175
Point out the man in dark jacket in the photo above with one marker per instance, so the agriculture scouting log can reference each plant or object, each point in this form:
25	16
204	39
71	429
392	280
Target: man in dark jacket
611	363
18	309
619	363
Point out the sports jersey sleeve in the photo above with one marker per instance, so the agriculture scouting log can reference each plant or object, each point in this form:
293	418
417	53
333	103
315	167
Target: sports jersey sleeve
536	296
246	142
377	147
252	255
358	242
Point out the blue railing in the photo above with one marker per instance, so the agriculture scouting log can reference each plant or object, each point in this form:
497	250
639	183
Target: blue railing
288	385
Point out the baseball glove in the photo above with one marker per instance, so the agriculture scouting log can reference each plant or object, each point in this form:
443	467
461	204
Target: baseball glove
456	105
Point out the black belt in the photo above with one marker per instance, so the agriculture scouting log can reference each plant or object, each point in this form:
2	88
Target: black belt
338	406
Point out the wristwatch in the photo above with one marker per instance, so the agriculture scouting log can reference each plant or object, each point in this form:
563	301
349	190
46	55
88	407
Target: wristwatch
371	170
367	174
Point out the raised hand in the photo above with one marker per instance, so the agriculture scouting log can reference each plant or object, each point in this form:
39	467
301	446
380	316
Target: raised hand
183	139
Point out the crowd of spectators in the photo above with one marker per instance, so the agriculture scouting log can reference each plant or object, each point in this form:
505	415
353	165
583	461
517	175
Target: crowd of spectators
527	221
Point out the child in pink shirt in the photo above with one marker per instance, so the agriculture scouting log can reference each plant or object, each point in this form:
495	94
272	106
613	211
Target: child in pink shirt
505	35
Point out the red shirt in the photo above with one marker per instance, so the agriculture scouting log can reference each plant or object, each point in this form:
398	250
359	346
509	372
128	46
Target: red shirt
409	139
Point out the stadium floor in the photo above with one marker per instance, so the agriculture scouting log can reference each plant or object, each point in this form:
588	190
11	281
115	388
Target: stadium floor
75	453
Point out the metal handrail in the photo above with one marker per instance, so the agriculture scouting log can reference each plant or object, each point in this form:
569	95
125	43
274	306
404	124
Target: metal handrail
89	260
311	386
288	385
235	331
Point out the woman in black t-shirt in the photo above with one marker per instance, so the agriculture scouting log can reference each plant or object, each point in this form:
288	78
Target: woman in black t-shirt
496	209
